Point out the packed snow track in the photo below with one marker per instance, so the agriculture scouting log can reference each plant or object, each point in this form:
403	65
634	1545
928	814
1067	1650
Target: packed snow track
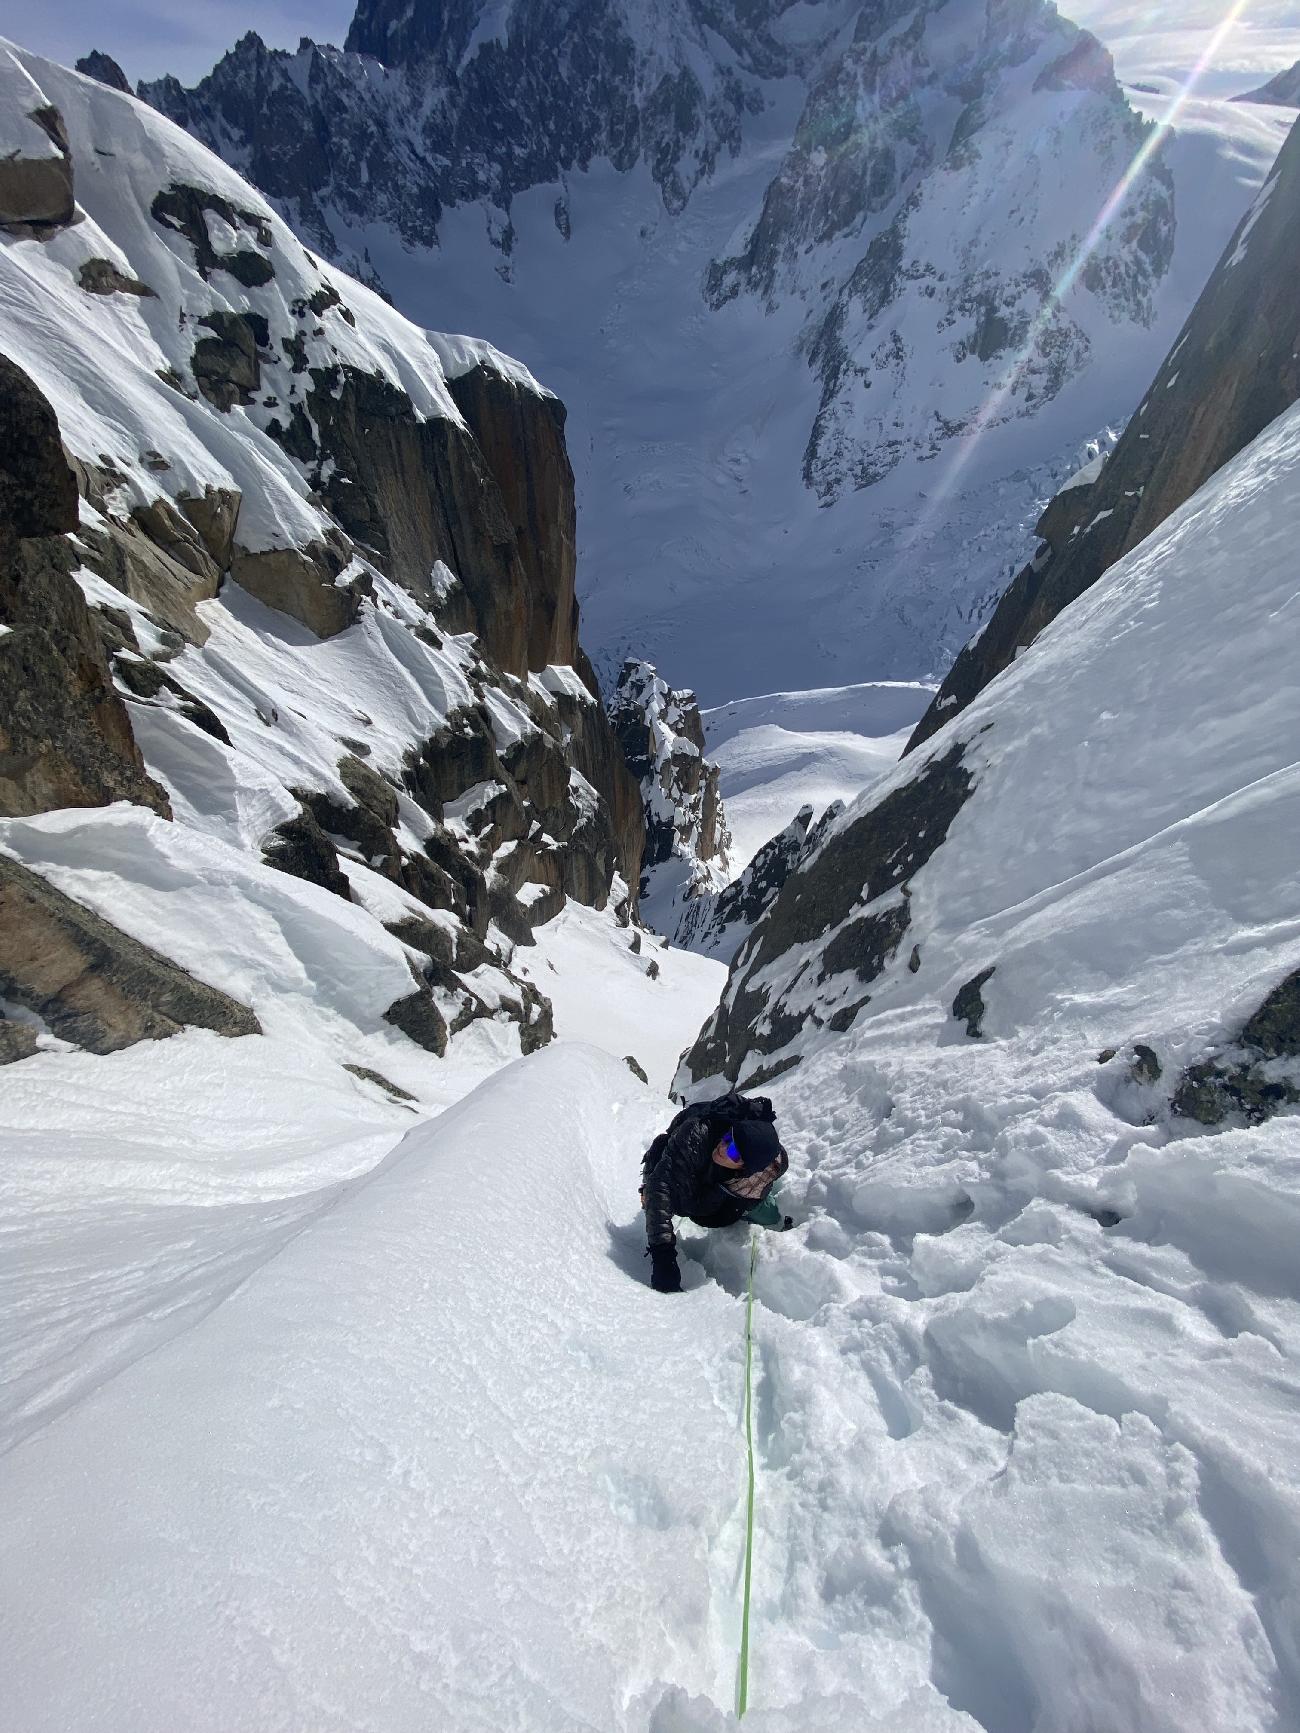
442	1459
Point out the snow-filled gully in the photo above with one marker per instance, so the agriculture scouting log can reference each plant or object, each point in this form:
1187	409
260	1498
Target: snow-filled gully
443	1459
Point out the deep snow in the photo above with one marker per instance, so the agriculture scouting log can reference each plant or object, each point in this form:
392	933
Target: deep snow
345	1432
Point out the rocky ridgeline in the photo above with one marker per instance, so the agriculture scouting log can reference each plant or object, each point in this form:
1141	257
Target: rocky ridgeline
473	107
947	163
203	413
717	923
1233	370
868	907
686	836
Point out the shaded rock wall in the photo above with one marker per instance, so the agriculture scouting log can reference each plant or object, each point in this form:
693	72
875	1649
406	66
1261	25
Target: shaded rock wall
842	913
65	735
718	924
521	438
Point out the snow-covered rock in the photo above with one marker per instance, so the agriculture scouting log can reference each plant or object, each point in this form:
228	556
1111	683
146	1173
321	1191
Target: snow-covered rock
328	557
687	843
717	923
925	122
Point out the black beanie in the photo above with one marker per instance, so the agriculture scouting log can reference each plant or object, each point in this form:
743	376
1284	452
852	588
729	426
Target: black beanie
756	1143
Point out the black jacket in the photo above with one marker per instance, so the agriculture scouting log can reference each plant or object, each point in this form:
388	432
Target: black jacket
679	1176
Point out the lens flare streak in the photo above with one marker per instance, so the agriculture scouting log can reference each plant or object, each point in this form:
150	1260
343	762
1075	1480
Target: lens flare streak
1057	294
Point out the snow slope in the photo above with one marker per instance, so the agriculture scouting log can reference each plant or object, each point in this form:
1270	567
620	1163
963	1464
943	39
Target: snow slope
412	1444
786	750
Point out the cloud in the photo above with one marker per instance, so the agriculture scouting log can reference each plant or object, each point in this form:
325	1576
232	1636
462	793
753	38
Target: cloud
1151	38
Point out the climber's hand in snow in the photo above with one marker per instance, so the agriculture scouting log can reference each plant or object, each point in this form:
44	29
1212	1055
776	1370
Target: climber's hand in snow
665	1276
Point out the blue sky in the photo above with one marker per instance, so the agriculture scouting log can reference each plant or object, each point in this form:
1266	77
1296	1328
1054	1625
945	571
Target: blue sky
150	37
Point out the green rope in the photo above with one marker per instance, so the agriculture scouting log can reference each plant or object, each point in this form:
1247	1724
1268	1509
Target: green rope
742	1681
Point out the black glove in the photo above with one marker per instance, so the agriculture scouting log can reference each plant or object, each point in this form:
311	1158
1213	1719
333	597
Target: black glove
665	1277
787	1222
763	1108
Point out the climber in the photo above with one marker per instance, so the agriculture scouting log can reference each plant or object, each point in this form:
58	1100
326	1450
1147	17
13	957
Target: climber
718	1163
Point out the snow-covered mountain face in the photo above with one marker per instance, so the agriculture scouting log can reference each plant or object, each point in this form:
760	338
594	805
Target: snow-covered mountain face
782	262
296	579
1232	371
1135	693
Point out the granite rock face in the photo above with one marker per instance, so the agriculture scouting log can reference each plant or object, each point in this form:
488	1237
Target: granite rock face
686	837
520	436
1233	370
65	735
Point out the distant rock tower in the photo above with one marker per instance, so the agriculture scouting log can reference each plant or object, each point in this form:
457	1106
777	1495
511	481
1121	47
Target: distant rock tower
688	844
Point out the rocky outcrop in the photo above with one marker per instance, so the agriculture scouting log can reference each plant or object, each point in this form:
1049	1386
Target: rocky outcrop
104	68
167	556
1280	92
226	365
102	277
312	584
91	984
520	435
65	735
717	924
969	1007
36	189
839	920
1255	1076
185	209
662	739
1233	370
